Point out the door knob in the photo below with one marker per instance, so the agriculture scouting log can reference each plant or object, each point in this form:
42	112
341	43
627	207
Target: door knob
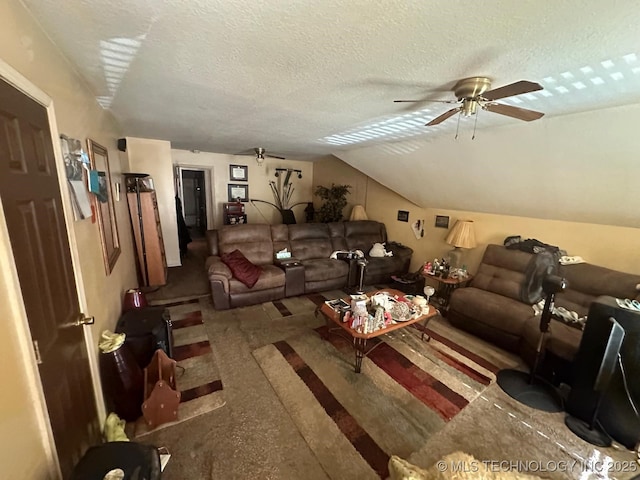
82	320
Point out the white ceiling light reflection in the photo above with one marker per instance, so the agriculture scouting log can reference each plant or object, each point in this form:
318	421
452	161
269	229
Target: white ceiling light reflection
583	88
116	55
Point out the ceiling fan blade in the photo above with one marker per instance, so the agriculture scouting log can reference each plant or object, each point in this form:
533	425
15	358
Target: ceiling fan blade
515	112
273	156
425	101
517	88
444	116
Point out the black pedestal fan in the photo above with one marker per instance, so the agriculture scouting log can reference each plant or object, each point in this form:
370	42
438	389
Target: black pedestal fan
528	388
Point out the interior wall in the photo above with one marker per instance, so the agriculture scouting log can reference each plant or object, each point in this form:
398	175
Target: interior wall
154	158
258	183
609	246
604	245
27	49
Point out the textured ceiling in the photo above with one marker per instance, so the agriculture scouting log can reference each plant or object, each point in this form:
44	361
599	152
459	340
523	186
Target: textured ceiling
305	78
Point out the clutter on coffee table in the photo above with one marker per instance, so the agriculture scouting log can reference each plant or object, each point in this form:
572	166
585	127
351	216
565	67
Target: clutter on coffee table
369	317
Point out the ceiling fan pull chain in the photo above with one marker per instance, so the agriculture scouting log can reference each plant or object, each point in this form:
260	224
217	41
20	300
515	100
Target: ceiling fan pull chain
475	123
458	127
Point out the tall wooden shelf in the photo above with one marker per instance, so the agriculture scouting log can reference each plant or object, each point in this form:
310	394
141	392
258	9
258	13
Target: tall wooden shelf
143	208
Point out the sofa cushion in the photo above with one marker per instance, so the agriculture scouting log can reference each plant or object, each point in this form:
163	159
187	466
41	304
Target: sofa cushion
502	271
320	269
254	241
587	282
271	277
310	241
502	313
280	237
242	269
361	235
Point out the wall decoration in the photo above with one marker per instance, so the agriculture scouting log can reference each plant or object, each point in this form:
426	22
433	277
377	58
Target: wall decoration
103	204
76	164
442	221
238	192
403	216
418	228
239	173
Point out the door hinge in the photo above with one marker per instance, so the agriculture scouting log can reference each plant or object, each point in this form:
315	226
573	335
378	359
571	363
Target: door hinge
36	349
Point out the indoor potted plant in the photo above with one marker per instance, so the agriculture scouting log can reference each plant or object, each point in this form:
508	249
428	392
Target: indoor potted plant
335	199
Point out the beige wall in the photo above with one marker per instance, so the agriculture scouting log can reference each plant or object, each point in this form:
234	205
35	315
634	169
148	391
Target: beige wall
25	48
608	246
259	177
154	158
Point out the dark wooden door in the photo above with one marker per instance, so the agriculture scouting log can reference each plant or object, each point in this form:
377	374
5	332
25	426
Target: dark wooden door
32	206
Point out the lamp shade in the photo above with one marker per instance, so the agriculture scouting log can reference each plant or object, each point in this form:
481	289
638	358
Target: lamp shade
462	235
358	213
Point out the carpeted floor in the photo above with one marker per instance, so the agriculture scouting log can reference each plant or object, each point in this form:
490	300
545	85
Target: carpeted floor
188	280
255	435
197	377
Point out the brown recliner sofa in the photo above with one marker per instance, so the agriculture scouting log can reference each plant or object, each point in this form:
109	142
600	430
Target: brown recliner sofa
312	245
490	307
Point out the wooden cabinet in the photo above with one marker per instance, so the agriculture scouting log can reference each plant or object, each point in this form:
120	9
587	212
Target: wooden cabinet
149	242
234	213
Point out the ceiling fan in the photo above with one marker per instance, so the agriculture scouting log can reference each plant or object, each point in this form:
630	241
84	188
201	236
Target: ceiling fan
261	154
474	93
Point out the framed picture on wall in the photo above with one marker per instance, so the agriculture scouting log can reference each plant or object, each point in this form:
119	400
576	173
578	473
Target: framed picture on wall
238	192
238	173
442	221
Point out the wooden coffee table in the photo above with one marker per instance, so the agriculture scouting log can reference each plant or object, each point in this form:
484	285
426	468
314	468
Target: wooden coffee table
359	340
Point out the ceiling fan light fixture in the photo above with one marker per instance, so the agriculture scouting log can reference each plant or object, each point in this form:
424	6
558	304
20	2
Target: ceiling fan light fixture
469	107
259	158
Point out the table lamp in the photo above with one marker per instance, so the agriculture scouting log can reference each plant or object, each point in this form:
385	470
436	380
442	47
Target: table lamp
460	236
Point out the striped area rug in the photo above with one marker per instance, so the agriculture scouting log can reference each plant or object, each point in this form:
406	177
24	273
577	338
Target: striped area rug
407	391
197	375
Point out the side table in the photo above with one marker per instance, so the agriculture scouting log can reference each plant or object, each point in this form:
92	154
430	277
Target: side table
445	288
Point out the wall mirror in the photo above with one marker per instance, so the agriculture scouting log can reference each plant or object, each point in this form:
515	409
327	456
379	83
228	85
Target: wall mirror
103	204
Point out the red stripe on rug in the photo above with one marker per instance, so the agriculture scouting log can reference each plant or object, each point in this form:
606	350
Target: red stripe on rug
426	388
422	385
200	391
190	319
359	438
484	363
316	298
284	311
182	352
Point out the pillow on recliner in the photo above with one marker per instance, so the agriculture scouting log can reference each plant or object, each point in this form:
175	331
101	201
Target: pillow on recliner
242	269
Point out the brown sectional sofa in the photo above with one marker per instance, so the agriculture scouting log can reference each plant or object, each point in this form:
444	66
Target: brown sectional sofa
311	244
490	307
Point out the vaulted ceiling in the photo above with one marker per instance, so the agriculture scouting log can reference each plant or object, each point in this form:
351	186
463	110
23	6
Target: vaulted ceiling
304	78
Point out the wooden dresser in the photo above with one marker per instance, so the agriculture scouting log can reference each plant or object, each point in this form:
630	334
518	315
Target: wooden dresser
149	245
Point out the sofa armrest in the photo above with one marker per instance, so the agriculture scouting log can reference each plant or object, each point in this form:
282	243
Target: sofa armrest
217	268
218	272
219	275
212	242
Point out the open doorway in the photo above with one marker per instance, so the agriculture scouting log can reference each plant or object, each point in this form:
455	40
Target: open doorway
194	201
